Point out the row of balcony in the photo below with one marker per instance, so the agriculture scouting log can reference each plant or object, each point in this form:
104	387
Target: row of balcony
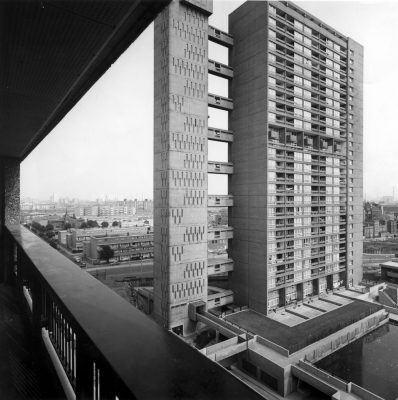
286	25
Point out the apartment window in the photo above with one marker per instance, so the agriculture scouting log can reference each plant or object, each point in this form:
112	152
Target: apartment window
307	83
298	69
298	91
350	153
336	47
272	57
307	41
351	70
350	80
298	36
336	114
298	123
351	52
350	125
350	162
298	25
307	72
298	80
329	72
298	47
351	107
351	61
350	171
329	82
351	144
350	98
307	51
329	62
350	116
351	89
298	101
307	126
351	182
336	66
307	104
307	94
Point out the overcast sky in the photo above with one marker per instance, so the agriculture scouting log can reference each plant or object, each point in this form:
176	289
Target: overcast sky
104	145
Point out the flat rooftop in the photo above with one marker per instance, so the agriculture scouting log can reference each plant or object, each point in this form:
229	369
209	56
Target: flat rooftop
299	334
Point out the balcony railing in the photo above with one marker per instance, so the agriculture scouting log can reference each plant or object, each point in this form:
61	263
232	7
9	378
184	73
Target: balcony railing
102	343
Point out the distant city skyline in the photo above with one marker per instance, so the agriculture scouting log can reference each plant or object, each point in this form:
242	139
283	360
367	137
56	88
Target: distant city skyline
105	144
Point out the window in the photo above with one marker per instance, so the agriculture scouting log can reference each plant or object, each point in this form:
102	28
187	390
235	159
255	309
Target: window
298	101
350	116
307	94
351	70
272	57
329	72
350	153
351	52
298	47
307	83
272	46
350	98
351	61
351	144
298	69
351	89
298	80
307	41
298	36
307	104
298	25
350	171
350	80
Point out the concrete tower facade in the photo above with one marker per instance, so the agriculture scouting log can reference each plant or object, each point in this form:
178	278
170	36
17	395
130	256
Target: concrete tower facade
297	156
180	161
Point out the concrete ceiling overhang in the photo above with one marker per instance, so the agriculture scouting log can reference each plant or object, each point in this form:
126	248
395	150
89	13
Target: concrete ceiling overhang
51	53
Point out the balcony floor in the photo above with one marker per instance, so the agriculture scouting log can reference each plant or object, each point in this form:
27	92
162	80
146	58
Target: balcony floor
20	376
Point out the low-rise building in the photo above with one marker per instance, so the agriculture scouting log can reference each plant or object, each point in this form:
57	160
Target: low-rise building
76	237
125	248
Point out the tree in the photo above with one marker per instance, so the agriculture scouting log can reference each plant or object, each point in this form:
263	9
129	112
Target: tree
83	225
115	223
106	253
92	224
104	224
68	226
50	234
49	227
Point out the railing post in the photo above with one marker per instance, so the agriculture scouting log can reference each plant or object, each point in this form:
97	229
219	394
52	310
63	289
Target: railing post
84	369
